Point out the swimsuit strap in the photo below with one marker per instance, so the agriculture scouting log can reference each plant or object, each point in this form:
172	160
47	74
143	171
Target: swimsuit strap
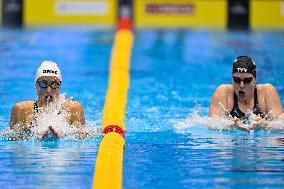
236	112
255	105
35	107
256	108
35	112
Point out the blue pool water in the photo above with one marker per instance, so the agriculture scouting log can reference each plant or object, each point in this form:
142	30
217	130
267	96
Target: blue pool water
172	73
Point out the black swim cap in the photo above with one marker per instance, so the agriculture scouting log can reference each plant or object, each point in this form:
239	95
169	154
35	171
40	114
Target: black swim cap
244	64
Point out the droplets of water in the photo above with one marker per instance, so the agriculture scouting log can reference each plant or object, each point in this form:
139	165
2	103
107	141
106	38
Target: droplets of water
50	123
277	124
196	119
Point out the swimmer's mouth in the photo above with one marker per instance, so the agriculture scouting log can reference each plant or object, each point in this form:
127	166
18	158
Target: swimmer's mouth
48	98
241	93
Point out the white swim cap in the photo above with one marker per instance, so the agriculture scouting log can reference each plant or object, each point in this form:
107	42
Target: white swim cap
48	68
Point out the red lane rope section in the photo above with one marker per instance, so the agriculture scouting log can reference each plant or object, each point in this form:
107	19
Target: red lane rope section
124	22
114	128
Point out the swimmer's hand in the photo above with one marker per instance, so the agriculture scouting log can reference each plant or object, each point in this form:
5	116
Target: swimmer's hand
81	135
239	124
50	134
259	123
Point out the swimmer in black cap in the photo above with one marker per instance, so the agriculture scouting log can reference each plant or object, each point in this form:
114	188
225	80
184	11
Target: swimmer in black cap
244	97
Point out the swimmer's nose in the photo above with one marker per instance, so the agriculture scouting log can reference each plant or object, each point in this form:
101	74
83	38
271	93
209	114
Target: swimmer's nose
48	89
242	85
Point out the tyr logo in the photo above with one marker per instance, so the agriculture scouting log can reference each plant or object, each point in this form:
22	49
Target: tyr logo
242	69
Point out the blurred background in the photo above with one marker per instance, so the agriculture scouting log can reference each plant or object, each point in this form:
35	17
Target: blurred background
215	14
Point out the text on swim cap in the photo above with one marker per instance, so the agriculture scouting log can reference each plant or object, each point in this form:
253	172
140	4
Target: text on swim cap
49	71
242	69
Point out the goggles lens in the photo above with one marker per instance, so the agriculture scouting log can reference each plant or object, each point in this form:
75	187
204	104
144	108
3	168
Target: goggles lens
245	80
45	84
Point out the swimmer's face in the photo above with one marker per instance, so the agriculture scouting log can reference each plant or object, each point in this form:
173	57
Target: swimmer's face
243	84
48	88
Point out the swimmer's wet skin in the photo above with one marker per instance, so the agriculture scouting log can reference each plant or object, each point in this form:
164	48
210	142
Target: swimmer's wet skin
24	114
244	97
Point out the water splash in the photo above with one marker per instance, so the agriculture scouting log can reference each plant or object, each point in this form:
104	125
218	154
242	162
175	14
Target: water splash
196	119
49	123
277	124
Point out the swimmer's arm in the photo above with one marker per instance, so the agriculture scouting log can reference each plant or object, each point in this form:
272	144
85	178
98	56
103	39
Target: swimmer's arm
273	108
76	111
218	103
273	102
82	135
18	116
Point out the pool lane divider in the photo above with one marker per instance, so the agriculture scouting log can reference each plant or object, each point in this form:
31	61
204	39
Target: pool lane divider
109	162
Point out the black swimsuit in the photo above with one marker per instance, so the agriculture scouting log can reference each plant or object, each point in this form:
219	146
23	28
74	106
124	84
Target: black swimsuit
236	112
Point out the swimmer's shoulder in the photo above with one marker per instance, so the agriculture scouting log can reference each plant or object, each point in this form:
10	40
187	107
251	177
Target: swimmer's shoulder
24	106
21	113
223	94
265	89
225	89
266	86
73	105
76	111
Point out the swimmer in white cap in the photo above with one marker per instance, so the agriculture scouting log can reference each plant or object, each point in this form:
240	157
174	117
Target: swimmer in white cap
48	81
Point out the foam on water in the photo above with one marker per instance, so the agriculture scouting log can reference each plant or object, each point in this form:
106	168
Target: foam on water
196	119
53	116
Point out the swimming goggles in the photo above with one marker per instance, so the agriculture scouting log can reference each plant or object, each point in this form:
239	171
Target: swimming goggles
245	80
45	84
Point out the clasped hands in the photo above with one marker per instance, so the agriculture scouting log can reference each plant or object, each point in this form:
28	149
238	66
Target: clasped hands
257	123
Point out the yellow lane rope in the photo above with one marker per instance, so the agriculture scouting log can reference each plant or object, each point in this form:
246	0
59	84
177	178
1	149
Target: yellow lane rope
108	172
